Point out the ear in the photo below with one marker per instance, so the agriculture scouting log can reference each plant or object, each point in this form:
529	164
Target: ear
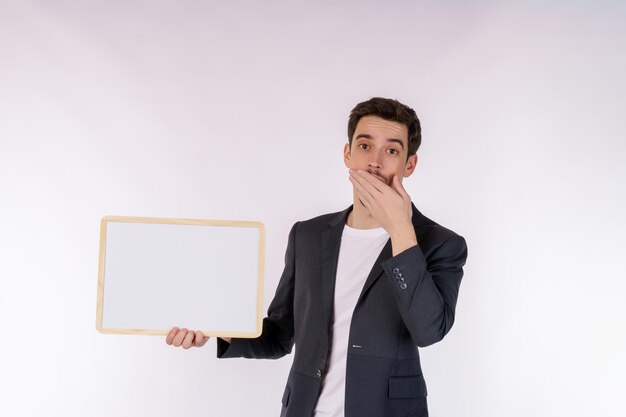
411	163
346	155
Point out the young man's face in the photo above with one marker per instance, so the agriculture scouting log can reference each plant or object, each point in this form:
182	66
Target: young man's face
380	147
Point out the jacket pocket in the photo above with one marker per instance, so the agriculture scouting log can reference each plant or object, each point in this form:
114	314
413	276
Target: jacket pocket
407	387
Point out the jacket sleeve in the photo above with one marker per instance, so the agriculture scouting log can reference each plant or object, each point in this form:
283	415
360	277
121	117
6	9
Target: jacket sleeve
427	291
277	337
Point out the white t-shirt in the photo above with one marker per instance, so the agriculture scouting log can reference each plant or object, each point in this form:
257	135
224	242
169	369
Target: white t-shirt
358	251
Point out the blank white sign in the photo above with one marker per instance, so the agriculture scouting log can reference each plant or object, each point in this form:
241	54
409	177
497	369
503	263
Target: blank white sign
200	274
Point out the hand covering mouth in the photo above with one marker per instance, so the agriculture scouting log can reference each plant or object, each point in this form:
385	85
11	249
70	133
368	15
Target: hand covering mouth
378	176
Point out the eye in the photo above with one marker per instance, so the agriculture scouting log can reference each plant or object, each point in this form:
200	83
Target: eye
364	146
393	152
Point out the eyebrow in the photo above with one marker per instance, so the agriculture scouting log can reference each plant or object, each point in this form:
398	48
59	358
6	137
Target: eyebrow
366	136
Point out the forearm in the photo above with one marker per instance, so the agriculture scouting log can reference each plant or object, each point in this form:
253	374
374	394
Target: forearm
272	344
427	292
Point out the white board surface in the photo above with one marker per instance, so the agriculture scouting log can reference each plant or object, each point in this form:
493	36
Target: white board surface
159	273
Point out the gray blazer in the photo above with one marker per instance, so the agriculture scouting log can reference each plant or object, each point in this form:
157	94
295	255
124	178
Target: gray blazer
407	301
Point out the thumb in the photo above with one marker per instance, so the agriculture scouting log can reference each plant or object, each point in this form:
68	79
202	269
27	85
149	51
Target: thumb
200	339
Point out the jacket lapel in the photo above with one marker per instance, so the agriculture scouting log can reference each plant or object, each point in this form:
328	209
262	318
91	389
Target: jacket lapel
377	269
331	242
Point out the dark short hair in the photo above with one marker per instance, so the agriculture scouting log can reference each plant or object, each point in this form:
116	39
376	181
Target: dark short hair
388	109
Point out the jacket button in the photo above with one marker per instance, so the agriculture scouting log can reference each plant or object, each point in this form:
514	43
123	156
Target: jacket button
319	373
403	285
395	270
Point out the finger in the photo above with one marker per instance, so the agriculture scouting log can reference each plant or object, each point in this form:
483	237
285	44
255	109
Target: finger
362	201
363	186
178	339
200	339
371	182
170	336
400	188
188	341
358	178
363	194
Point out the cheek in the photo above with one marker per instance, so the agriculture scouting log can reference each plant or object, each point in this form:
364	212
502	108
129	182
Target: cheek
356	161
397	168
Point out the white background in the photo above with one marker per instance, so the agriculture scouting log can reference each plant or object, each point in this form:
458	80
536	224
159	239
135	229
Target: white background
238	110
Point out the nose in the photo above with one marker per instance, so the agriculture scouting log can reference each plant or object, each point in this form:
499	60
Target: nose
374	164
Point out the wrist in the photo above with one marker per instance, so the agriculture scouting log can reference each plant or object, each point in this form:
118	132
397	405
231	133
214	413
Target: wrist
401	231
403	240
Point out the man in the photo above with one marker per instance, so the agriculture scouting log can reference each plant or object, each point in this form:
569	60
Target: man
362	287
